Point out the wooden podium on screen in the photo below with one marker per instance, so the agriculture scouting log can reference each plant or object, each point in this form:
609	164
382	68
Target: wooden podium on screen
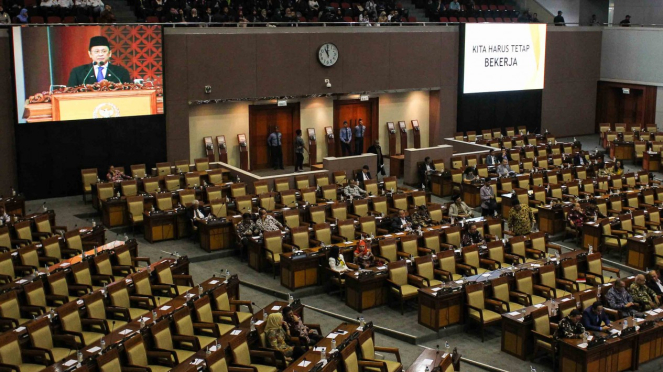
243	152
312	147
98	101
331	143
403	130
416	133
223	148
391	130
209	148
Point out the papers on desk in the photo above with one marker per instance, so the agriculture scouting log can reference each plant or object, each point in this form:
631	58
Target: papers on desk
276	308
651	312
514	313
19	329
145	319
613	331
388	236
589	338
128	281
400	233
125	332
94	349
456	250
321	349
196	361
330	202
349	243
213	282
80	302
538	306
583	345
164	308
427	361
536	265
521	319
238	216
408	261
332	335
639	320
436	289
285	209
259	322
382	267
486	274
303	363
236	332
565	299
657	310
341	332
70	362
21	281
459	282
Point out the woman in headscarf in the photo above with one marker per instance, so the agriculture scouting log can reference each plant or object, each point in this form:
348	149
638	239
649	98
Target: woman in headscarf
23	16
363	255
277	333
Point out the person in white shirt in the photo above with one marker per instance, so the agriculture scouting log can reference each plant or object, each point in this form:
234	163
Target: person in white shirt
504	168
655	284
337	261
4	16
97	6
4	217
364	175
402	223
47	3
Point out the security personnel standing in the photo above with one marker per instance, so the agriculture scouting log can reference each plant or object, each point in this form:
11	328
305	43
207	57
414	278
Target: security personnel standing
359	137
346	139
274	143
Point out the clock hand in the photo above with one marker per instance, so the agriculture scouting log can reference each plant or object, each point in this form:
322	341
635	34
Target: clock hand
327	51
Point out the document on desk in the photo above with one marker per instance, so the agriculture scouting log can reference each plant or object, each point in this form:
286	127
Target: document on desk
321	349
538	306
164	308
427	361
514	313
94	349
259	322
236	332
303	363
70	362
583	345
125	331
213	282
332	335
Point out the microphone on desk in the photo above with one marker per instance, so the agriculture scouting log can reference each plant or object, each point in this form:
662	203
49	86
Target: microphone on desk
111	333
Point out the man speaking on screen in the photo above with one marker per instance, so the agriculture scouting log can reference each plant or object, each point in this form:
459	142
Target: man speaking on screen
100	68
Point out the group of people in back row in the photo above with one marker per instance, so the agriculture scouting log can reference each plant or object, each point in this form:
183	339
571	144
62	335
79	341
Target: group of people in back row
644	294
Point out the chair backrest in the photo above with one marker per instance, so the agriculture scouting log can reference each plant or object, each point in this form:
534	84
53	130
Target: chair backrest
240	350
400	201
34	293
371	186
94	302
267	200
524	282
452	236
214	192
282	184
151	185
291	217
323	233
215	176
202	164
321	179
391	183
218	208
471	255
432	239
299	236
57	283
289	198
424	266
29	256
187	197
172	182
329	192
570	269
273	242
164	169
239	189
398	272
318	213
308	195
538	240
496	251
216	361
500	288
447	261
419	198
340	177
70	318
518	246
409	245
88	177
164	201
51	247
7	266
380	205
23	229
360	207
302	182
109	361
547	276
135	350
192	179
541	321
138	170
388	249
475	295
10	351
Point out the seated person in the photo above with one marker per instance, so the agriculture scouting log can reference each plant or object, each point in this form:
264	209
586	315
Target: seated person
363	255
459	209
619	299
472	237
491	159
577	217
297	327
401	223
504	168
421	217
617	169
277	333
653	282
570	326
4	217
364	175
643	295
470	175
593	316
268	223
114	175
337	261
354	191
579	159
196	212
425	171
246	228
504	155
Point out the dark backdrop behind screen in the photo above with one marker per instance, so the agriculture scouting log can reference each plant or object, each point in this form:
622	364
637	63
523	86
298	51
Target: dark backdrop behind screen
480	111
50	156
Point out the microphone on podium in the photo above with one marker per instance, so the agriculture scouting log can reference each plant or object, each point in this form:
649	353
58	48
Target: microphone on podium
88	73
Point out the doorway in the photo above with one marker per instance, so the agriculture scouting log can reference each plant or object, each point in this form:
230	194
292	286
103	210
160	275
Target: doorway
614	104
262	119
351	111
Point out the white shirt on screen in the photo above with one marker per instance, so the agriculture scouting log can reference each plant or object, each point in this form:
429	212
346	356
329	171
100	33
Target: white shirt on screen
104	70
366	176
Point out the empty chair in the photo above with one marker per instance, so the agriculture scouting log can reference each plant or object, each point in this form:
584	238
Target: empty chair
164	169
12	314
42	338
204	314
85	331
177	281
222	302
97	309
186	327
179	344
119	298
244	357
138	356
202	164
12	355
476	307
401	283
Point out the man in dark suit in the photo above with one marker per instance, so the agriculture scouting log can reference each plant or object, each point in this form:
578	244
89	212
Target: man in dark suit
100	68
425	170
491	159
401	223
362	176
654	283
504	155
580	159
377	150
195	213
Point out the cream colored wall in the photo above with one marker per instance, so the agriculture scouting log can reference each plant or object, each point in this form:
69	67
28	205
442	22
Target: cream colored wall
406	107
231	119
316	113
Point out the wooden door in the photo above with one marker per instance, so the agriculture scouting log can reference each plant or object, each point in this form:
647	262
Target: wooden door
262	119
351	111
613	106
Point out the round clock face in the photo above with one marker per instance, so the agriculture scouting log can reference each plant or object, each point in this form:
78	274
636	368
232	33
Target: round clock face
328	54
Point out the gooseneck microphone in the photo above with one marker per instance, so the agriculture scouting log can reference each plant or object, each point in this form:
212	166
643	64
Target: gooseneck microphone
88	73
108	73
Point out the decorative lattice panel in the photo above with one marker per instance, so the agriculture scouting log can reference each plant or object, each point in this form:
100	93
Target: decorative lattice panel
138	49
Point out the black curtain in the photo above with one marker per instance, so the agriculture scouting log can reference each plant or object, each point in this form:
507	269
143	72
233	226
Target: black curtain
480	111
50	155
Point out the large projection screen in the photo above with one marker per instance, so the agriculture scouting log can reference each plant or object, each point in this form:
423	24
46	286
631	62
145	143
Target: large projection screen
503	57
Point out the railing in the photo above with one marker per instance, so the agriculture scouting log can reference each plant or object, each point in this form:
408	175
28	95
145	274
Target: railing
310	24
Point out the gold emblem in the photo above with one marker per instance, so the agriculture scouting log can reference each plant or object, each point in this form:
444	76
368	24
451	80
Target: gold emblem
106	110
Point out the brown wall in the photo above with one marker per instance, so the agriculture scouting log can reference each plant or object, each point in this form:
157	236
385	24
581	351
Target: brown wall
7	118
573	63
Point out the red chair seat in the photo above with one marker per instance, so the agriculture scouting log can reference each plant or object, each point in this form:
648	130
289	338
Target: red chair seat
36	19
490	20
481	19
462	19
444	19
453	19
412	19
152	19
53	19
498	20
471	20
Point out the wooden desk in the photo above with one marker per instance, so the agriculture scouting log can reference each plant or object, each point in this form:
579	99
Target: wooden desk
14	205
651	161
640	253
164	225
441	185
95	235
439	311
551	220
591	235
471	194
622	150
441	359
615	355
216	234
298	271
366	292
114	212
397	165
